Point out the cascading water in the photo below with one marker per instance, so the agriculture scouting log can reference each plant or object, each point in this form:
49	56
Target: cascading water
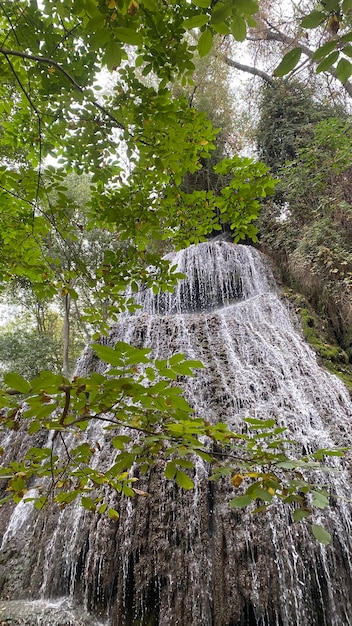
184	558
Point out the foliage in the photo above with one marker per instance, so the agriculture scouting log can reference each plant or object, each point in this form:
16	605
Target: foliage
309	225
333	17
27	347
210	93
27	352
137	402
288	116
319	335
137	143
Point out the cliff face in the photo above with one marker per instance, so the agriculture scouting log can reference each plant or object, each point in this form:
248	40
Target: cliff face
185	558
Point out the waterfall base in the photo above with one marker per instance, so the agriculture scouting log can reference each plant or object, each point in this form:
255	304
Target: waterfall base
45	613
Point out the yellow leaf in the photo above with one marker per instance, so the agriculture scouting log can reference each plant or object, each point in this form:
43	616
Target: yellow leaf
237	480
111	4
132	7
123	476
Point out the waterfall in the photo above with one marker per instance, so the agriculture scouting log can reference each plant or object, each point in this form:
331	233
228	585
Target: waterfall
184	557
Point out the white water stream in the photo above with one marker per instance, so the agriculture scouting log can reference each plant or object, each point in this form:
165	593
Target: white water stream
184	558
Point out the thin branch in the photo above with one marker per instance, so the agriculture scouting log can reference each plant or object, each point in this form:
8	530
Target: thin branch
271	35
64	72
67	390
21	86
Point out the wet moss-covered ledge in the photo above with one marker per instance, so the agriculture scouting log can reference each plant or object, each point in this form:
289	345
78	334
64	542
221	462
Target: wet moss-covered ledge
317	333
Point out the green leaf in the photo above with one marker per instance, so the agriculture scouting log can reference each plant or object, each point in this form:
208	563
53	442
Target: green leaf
204	4
88	503
150	373
347	50
170	470
151	5
241	501
129	36
222	28
331	5
107	354
346	6
259	492
239	28
299	514
38	454
34	427
289	61
322	51
326	63
176	358
120	441
344	70
39	503
195	364
313	19
258	423
221	12
184	463
196	21
321	534
346	38
286	464
17	382
178	402
205	43
67	497
113	54
183	480
113	514
320	499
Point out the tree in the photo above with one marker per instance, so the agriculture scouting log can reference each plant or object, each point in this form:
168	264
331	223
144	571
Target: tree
288	115
50	61
306	39
307	224
27	350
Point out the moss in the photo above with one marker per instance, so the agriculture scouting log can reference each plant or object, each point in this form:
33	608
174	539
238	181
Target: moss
316	332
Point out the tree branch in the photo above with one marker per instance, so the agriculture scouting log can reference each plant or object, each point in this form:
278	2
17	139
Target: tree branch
249	69
52	63
273	34
276	35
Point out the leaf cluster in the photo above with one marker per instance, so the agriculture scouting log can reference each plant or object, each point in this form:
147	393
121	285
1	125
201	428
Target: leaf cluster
144	420
334	17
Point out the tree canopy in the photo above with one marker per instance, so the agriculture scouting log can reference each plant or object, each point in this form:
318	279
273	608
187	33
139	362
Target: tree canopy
137	142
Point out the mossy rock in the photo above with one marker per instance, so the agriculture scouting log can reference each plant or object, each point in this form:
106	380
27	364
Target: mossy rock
334	357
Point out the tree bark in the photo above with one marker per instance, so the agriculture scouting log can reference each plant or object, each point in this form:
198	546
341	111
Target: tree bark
249	69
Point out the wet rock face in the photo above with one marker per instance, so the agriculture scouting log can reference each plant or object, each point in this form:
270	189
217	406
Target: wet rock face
44	613
184	558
